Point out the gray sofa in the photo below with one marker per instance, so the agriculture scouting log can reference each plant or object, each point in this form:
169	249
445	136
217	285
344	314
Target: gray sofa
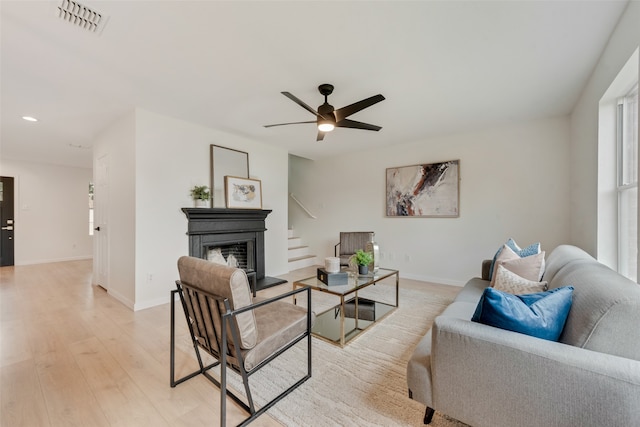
485	376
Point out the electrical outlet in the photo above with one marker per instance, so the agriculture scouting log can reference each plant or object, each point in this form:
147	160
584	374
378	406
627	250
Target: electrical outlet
407	258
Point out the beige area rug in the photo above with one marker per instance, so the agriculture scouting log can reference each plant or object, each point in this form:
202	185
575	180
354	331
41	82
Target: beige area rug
363	384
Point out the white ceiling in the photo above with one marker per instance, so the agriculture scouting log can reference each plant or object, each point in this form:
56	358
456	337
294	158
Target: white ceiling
443	67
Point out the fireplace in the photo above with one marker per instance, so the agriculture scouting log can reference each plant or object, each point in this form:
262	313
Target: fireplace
237	232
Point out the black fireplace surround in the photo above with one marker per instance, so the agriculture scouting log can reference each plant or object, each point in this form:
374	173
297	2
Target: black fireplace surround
233	231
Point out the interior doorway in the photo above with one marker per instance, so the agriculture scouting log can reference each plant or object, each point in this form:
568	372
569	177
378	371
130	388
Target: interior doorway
7	222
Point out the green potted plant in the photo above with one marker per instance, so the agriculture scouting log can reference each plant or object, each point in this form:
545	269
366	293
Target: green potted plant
200	195
363	259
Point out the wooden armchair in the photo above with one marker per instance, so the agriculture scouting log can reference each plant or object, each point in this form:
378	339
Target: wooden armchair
350	242
240	333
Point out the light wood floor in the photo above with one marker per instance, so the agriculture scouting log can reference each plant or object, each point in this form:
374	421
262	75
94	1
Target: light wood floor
70	355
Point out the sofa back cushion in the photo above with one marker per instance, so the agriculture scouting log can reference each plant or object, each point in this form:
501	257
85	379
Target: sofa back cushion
559	257
605	314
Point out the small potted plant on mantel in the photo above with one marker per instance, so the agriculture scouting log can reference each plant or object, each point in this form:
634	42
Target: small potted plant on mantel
200	195
363	259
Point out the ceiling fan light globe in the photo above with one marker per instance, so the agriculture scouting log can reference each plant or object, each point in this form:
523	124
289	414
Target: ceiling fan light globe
326	127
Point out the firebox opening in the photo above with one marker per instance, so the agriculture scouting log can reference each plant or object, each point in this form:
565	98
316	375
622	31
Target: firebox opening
236	254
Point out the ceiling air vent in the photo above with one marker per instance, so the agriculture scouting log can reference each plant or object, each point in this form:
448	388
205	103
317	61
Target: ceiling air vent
81	16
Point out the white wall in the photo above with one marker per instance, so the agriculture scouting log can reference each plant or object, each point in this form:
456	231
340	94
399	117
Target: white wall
584	130
514	183
51	212
155	160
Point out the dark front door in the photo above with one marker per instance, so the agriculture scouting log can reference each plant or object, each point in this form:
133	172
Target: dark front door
6	221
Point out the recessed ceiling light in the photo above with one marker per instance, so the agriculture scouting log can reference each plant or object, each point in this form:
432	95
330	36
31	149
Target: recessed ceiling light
81	147
30	119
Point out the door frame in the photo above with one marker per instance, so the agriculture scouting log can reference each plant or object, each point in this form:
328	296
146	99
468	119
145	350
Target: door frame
100	222
7	233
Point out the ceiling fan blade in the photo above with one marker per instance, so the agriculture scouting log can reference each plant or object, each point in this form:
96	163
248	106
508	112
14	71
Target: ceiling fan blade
292	123
345	112
320	136
346	123
302	104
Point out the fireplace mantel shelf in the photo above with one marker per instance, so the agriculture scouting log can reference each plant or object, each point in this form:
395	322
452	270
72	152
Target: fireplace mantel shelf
220	220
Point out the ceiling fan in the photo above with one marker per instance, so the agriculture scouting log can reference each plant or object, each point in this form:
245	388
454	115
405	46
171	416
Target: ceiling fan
327	118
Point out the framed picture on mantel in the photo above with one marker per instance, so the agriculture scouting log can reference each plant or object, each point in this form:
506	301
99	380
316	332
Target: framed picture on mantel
225	162
243	193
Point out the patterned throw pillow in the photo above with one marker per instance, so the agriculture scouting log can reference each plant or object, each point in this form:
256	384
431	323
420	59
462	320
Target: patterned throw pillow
510	282
532	249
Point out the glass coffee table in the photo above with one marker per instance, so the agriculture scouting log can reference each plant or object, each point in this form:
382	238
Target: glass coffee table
353	315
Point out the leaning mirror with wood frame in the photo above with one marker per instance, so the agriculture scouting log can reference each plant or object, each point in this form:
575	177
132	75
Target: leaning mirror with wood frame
226	162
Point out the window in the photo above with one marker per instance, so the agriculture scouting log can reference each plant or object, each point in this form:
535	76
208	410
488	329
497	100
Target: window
627	138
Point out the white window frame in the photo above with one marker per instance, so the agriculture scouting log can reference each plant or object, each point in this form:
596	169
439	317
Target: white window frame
627	262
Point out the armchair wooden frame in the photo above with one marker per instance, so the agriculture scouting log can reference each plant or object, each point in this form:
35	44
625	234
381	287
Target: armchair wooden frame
202	302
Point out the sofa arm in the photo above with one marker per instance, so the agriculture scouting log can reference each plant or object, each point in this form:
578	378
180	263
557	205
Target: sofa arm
485	376
486	266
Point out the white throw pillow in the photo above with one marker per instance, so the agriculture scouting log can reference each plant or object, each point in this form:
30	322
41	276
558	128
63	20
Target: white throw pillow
531	267
505	254
510	282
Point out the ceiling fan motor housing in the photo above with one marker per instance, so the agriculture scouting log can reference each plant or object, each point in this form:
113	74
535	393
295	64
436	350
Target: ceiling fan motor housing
326	111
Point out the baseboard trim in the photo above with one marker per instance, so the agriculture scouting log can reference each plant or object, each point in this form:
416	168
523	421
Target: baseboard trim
50	261
438	280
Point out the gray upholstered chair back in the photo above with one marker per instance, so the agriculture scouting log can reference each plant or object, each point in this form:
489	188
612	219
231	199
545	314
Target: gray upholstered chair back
223	282
350	242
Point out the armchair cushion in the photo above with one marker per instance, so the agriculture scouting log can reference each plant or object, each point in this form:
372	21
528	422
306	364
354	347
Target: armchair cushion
278	323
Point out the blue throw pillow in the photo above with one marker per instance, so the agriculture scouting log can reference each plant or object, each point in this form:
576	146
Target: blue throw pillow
532	249
540	315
